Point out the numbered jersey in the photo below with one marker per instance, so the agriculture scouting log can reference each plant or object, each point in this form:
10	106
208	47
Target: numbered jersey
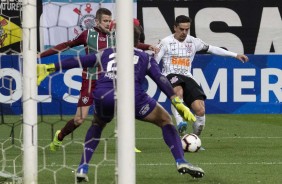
176	56
104	92
141	63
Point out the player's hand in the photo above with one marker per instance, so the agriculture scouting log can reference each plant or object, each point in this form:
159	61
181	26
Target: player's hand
156	50
43	71
243	58
183	110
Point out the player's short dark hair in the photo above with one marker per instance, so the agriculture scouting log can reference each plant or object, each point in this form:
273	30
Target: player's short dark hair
137	33
102	11
182	19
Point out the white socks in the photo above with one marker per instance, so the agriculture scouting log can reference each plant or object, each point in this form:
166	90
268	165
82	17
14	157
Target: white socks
176	115
199	125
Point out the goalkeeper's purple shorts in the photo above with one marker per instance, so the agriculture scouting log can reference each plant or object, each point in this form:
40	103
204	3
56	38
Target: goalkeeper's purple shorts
105	104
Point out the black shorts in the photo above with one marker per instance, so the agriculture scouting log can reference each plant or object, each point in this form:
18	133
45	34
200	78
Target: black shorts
192	90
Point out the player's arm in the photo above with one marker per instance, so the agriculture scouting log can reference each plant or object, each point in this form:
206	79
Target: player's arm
222	52
162	50
74	62
202	46
165	86
80	40
162	82
43	70
144	46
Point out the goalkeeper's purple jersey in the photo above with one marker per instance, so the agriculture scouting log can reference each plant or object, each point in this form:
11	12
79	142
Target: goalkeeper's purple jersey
104	92
143	65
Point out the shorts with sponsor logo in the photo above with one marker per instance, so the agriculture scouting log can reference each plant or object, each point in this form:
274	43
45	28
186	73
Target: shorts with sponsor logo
86	93
105	104
192	90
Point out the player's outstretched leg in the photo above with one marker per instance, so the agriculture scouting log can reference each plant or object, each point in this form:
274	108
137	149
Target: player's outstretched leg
91	142
180	123
184	167
81	174
55	144
198	127
173	141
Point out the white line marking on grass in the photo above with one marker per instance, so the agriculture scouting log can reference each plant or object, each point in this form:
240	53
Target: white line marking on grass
158	138
216	163
239	137
234	137
242	163
203	163
158	164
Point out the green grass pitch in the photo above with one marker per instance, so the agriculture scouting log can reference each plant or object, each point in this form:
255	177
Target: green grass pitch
240	149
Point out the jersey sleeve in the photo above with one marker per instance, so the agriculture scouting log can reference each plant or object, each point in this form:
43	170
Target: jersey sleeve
143	46
221	52
77	62
161	53
79	40
155	74
200	44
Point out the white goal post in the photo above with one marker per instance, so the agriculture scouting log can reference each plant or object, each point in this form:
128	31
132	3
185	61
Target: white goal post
125	93
29	99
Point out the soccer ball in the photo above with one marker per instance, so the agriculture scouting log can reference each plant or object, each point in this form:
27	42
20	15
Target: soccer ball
191	143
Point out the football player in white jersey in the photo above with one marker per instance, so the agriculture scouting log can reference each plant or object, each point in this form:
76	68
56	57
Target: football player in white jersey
177	52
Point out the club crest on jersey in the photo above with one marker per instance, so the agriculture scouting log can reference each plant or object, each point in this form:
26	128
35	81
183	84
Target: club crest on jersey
188	47
102	39
174	79
86	20
144	109
85	99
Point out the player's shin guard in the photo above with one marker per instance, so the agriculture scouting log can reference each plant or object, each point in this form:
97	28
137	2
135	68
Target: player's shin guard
199	125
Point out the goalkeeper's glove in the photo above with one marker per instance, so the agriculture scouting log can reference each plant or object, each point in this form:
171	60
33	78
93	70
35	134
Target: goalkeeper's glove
184	111
43	71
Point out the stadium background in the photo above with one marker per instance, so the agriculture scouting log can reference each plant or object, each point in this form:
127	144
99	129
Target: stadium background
241	26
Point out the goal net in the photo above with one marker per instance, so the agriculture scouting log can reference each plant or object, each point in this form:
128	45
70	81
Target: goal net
57	22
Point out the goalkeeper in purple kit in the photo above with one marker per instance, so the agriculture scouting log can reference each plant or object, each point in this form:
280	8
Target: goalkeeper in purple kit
146	108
